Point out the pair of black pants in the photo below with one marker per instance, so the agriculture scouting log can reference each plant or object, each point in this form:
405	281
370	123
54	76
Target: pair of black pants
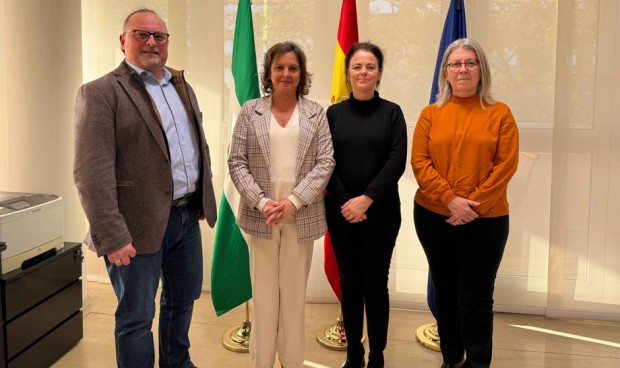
363	252
463	262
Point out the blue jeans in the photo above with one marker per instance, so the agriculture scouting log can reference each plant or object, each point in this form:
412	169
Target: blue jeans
179	264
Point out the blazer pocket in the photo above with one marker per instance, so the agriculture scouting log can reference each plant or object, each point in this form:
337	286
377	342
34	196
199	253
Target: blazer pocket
130	206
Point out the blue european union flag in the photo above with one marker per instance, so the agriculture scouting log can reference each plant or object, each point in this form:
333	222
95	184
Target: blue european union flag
453	29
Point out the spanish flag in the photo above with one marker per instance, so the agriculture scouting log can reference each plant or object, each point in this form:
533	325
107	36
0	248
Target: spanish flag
347	36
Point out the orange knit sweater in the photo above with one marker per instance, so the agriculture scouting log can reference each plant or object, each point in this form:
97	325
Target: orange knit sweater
463	150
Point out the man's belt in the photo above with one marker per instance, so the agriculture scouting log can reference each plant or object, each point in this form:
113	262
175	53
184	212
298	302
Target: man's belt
182	201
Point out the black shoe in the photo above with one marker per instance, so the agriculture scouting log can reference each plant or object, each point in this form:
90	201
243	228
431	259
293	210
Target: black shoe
453	365
375	360
351	362
354	360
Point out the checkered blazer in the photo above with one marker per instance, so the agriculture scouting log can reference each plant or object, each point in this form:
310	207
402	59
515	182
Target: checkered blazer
249	163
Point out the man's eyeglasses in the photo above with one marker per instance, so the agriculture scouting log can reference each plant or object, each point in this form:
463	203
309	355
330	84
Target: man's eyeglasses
143	36
469	65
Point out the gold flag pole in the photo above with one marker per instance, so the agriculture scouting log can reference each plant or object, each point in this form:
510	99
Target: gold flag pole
237	339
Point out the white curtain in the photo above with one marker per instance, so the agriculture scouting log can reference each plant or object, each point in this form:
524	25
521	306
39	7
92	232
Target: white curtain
555	63
584	242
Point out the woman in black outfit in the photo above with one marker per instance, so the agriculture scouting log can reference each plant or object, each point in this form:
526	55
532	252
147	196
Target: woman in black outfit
362	202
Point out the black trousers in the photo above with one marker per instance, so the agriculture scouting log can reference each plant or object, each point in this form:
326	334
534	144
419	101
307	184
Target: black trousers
363	252
463	262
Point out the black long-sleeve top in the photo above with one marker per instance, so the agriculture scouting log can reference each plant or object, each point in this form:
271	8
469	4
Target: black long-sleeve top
370	150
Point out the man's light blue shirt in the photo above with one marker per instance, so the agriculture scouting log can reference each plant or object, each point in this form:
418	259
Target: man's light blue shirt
180	133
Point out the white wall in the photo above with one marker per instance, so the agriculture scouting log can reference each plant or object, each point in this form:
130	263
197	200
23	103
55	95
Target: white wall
41	71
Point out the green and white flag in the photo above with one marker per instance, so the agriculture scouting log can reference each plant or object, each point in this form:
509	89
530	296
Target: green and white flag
230	271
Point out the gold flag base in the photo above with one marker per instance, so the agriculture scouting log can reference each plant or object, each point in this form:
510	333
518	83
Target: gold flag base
428	337
237	339
333	336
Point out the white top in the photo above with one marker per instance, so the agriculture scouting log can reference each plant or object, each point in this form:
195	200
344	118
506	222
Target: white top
283	143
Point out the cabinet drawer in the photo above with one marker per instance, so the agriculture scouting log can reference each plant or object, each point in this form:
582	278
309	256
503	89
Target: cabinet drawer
39	284
35	323
53	346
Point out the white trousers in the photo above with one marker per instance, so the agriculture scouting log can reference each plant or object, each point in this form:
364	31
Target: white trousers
279	270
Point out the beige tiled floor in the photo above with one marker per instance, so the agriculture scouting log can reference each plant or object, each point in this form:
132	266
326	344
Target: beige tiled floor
513	346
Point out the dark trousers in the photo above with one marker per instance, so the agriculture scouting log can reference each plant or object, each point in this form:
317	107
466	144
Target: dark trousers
363	252
463	262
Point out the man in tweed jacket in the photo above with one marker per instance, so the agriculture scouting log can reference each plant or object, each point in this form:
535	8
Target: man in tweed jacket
143	174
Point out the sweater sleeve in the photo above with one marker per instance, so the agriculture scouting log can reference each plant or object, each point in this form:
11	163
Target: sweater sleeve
432	185
504	166
394	167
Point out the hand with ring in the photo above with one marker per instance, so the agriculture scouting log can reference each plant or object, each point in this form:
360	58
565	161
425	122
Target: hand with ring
455	222
462	211
122	256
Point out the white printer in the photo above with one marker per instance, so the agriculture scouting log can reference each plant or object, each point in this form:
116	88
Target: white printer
32	227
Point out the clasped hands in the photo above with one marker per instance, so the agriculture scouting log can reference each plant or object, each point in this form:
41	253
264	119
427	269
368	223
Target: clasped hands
461	211
276	211
354	210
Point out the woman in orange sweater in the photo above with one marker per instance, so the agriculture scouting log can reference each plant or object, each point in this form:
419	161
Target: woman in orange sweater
465	150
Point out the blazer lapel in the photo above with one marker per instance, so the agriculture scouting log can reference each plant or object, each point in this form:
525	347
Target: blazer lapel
261	122
306	131
132	84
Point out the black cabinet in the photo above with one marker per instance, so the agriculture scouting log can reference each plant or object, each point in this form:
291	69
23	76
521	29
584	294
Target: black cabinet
42	310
